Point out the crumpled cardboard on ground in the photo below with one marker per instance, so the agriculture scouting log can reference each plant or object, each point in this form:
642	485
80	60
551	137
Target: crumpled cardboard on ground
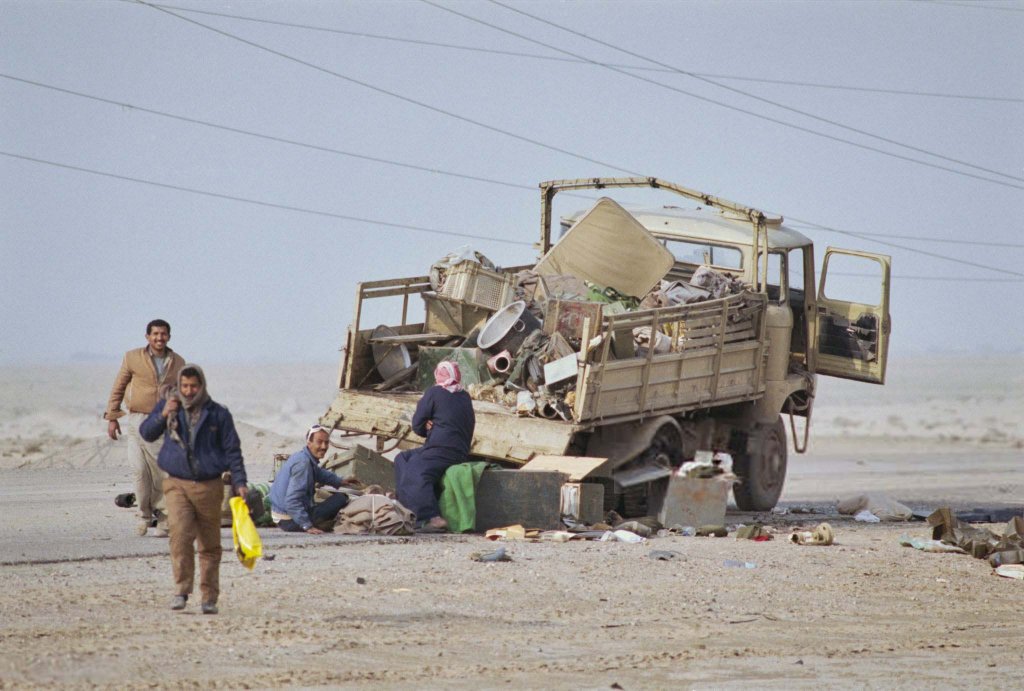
981	543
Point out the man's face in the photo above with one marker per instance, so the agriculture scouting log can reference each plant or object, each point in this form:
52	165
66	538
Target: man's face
317	444
158	337
189	387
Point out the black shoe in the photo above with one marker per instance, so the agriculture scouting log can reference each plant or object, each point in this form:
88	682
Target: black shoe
179	601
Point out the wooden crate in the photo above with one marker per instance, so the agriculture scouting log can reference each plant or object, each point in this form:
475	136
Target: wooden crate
444	315
567	317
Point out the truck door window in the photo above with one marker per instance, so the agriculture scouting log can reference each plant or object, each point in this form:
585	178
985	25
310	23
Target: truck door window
698	253
797	299
856	281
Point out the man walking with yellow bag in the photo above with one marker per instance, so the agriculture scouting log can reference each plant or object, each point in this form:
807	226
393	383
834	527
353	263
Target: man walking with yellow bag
200	443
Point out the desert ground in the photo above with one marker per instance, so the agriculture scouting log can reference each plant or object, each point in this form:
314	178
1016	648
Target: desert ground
85	602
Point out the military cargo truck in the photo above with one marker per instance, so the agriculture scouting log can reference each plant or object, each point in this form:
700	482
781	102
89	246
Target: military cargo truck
727	374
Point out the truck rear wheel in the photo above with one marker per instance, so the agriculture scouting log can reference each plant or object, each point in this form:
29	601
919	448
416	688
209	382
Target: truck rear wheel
761	468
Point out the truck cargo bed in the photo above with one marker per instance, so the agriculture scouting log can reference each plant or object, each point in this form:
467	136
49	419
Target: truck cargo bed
499	433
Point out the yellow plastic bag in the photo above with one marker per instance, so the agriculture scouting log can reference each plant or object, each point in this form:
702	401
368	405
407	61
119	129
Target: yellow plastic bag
243	532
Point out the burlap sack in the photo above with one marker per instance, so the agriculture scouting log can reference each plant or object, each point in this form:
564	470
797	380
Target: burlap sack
375	514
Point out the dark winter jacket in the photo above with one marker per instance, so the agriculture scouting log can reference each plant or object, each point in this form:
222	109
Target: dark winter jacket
216	448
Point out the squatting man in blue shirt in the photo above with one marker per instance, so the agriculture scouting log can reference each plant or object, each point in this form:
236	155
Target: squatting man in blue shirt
291	495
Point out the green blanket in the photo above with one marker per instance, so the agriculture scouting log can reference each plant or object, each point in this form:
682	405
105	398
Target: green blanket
458	495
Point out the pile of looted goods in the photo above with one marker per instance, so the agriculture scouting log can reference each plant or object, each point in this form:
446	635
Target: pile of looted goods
528	353
521	336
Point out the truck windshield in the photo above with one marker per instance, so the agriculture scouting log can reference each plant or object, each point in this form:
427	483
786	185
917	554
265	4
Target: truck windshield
696	252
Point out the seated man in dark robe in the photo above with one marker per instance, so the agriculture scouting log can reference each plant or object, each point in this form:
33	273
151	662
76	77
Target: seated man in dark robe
444	415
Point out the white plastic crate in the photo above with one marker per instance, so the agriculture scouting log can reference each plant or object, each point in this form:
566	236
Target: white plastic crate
472	284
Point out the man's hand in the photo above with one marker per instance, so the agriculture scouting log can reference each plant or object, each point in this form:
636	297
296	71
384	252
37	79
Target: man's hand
113	429
171	408
241	491
314	531
430	425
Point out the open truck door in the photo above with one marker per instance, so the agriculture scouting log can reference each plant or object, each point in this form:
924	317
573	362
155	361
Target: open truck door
853	322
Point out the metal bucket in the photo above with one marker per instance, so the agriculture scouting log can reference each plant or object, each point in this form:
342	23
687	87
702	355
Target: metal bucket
507	329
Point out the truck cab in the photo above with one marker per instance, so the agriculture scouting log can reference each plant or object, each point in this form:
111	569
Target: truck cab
836	326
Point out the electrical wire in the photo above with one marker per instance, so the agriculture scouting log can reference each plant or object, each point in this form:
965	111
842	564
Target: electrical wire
272	205
559	58
973	5
904	277
386	92
973	243
958	260
384	161
535	142
732	89
268	137
403	226
321	69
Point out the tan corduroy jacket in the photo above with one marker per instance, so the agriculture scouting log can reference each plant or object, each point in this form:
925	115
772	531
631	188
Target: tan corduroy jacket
136	382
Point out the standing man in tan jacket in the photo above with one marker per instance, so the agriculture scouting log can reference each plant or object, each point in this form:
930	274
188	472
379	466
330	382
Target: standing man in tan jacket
143	371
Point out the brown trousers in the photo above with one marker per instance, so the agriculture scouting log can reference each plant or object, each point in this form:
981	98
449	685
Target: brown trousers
193	512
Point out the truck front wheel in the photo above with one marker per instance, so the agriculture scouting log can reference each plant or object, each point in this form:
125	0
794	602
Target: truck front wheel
761	468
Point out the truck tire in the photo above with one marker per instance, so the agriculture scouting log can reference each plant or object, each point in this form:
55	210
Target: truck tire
761	468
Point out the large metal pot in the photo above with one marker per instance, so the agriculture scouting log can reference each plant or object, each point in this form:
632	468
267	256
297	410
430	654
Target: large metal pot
507	329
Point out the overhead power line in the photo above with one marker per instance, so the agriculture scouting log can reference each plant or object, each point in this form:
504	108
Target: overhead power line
565	59
268	137
535	142
958	260
388	224
919	238
273	205
386	92
732	89
403	164
326	71
974	5
905	277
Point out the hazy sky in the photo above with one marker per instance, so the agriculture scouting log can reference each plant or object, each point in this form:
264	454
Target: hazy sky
86	260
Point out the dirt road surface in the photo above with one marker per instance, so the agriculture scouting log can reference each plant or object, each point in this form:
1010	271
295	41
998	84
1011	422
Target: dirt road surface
85	602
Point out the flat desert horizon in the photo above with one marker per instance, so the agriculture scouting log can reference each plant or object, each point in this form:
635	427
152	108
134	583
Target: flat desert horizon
52	415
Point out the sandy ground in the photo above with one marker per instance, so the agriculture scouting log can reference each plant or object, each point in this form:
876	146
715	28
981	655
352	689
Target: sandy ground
85	602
